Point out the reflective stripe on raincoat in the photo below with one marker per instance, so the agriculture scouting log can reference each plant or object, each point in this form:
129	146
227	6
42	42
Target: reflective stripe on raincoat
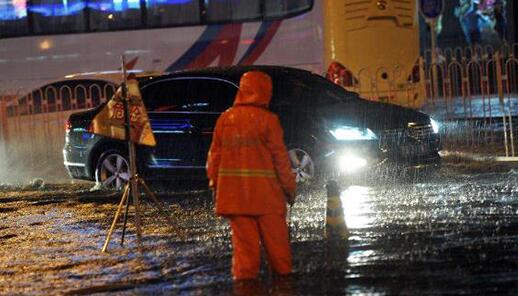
248	163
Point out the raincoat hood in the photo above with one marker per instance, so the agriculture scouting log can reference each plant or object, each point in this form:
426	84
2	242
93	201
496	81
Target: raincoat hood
255	88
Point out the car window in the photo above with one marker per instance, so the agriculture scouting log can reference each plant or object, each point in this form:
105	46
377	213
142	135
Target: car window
211	94
290	91
328	93
306	92
166	95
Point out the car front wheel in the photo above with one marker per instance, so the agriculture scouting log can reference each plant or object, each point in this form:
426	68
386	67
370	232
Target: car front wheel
112	171
302	165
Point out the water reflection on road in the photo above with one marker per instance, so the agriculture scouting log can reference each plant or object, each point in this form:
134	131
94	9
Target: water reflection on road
358	210
453	234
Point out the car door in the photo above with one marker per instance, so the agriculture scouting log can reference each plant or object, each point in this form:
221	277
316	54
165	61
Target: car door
209	97
167	102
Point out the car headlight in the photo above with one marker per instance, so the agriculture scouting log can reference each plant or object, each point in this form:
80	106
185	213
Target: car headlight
435	126
350	163
351	133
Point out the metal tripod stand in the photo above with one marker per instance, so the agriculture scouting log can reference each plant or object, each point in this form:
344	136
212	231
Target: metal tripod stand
132	187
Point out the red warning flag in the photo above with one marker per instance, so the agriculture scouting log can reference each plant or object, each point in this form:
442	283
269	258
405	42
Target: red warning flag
109	122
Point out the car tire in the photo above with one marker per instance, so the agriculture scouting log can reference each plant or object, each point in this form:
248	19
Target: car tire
302	164
112	171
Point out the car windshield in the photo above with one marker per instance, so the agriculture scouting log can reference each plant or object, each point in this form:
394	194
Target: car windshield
328	93
310	91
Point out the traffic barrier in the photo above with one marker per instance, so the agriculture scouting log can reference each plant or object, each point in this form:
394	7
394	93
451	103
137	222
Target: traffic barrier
3	120
473	93
336	228
32	127
5	101
510	79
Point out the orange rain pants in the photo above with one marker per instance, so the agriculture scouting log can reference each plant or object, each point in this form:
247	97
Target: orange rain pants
247	233
249	168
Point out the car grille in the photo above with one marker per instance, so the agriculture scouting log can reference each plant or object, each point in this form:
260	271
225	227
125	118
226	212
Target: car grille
413	141
420	132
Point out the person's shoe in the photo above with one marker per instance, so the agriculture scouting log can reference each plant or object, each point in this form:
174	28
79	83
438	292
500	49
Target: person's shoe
252	287
282	285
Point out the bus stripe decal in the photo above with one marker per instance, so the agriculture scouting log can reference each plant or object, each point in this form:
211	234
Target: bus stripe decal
261	41
223	41
197	48
224	45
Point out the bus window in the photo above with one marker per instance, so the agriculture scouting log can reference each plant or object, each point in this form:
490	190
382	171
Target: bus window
37	17
226	10
57	16
280	8
13	18
108	15
163	13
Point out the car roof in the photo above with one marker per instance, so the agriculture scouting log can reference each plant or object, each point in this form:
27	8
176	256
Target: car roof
232	73
111	76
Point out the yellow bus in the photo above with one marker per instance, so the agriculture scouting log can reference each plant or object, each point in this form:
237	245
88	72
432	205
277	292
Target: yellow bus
372	47
369	46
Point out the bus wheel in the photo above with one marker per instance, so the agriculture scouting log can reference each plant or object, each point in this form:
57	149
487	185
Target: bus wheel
112	171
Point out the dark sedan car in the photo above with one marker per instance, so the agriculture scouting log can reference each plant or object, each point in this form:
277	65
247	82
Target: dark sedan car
327	129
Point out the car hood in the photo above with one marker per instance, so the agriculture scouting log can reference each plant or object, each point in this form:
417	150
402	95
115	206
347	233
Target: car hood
373	115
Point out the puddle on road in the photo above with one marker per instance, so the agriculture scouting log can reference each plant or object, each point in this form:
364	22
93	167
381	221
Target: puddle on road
454	234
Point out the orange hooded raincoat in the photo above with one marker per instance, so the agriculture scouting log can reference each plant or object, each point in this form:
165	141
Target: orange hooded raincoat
249	168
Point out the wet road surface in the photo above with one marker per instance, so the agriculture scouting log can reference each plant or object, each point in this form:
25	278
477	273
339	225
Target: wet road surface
456	233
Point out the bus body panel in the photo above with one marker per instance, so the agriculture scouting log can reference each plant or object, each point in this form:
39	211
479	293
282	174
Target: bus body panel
377	43
37	60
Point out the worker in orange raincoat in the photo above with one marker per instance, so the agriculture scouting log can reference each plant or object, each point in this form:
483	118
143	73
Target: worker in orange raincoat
249	170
